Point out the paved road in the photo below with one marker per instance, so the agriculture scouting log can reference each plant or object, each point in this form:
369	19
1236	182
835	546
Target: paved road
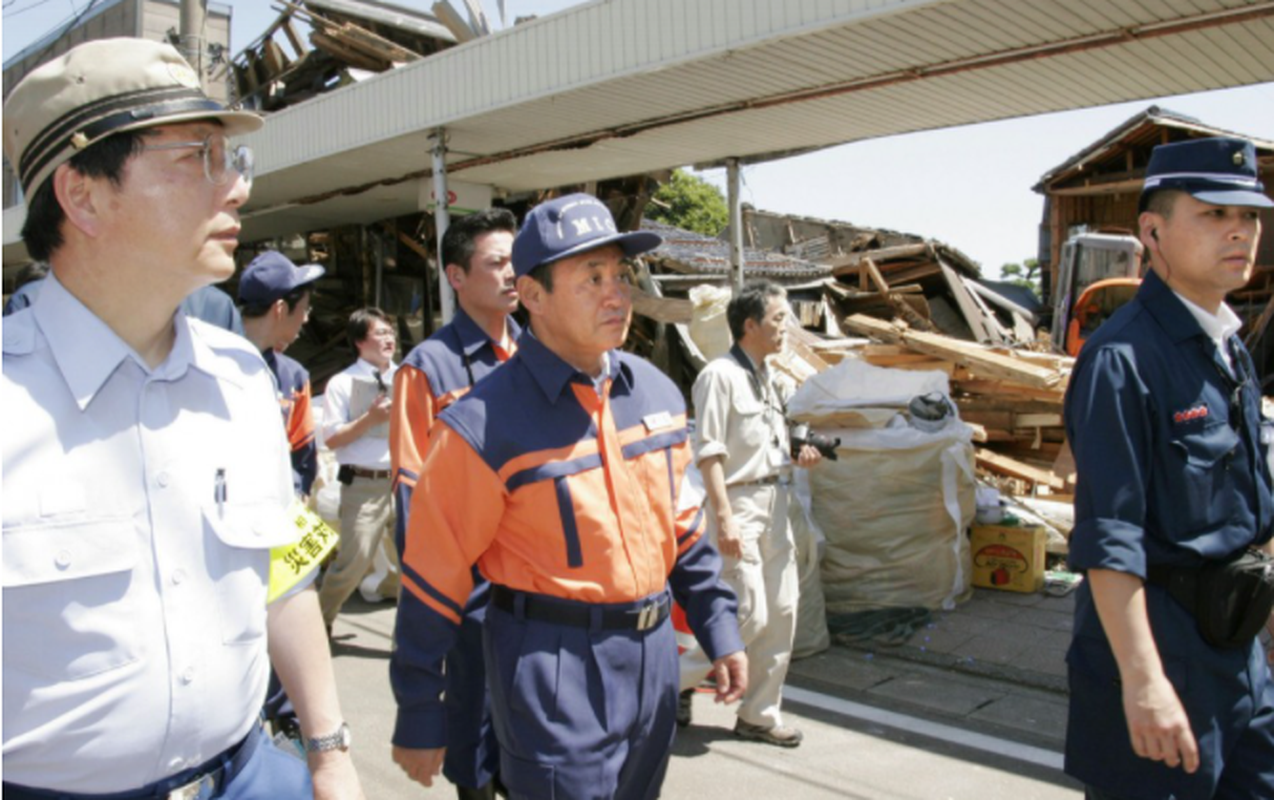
886	756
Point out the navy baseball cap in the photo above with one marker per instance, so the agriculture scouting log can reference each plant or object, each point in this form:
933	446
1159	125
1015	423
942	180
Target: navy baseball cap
272	276
567	226
1218	171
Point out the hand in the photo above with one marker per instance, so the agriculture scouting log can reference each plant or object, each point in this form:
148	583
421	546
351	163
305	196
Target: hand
729	540
334	776
421	765
808	457
731	674
1158	725
379	410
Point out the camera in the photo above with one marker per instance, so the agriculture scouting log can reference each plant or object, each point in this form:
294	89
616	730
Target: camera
800	434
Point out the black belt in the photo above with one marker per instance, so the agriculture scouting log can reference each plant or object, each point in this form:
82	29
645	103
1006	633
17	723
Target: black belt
371	474
204	781
641	615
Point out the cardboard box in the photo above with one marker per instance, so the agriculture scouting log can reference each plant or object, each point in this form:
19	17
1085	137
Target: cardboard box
1010	558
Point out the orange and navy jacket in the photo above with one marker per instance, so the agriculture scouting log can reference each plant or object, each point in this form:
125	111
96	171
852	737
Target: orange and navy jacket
435	374
552	489
292	382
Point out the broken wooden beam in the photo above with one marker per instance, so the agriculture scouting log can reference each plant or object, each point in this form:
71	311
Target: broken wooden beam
979	360
850	262
1013	468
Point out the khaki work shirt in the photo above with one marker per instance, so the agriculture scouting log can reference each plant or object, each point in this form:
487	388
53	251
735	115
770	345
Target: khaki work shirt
740	414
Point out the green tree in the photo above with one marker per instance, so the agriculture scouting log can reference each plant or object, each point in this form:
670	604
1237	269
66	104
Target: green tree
690	202
1025	274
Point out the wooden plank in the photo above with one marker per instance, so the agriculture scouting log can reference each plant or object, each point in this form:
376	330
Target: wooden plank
973	315
670	310
977	359
375	44
351	56
1009	390
848	263
1014	468
903	309
1038	421
298	44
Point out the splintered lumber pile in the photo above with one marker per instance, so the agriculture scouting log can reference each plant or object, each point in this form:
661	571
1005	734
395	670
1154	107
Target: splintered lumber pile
1012	398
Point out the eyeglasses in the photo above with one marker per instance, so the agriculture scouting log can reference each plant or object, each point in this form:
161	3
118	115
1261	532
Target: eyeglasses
218	158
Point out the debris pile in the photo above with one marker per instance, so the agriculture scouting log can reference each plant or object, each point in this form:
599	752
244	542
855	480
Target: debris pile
349	41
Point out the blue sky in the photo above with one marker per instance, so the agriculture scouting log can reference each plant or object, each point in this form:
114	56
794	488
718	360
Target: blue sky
967	186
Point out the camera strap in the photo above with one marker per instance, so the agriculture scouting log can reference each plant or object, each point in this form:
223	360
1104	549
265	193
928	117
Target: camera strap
770	399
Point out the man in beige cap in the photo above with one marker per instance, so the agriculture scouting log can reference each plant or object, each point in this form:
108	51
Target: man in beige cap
146	469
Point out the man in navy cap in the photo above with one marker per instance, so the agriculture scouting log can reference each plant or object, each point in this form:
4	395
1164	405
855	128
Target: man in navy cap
560	475
275	297
1163	415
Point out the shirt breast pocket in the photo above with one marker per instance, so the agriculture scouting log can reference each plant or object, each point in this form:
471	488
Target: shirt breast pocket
239	543
752	419
70	599
1200	479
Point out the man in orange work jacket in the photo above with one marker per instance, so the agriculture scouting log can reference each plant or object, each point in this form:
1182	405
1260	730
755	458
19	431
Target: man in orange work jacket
477	252
561	476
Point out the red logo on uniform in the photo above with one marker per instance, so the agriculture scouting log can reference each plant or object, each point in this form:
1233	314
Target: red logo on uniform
1198	412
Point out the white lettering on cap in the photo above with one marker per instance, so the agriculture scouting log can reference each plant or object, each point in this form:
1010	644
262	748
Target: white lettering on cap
581	226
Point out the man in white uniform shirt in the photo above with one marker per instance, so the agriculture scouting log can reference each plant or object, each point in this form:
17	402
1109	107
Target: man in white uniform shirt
146	469
356	406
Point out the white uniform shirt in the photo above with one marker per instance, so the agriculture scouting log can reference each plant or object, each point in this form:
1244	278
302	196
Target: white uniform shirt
134	601
740	417
1219	327
371	450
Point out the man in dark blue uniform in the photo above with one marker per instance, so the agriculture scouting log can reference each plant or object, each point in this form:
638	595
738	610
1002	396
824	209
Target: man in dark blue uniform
1163	415
477	250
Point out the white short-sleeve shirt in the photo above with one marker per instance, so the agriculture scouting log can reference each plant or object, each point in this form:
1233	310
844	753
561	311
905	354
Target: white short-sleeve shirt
139	509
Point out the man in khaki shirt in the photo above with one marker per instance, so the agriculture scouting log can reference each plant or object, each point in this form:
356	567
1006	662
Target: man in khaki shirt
742	449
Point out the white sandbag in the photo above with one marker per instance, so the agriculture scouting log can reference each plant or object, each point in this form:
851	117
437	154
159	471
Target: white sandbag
708	326
895	507
811	616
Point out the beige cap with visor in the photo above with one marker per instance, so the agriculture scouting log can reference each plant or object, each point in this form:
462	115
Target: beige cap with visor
99	88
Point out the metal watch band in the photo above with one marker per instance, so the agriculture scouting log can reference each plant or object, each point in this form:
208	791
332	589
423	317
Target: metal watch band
340	740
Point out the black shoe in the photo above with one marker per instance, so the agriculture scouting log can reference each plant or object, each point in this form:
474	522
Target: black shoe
685	708
485	793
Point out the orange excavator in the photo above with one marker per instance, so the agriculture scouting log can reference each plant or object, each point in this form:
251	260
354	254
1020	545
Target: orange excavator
1098	273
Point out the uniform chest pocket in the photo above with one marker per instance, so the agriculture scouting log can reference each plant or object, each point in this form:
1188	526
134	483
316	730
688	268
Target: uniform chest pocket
239	542
1200	477
71	600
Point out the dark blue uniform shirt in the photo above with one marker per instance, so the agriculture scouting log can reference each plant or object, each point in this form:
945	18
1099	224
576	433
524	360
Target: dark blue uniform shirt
1171	471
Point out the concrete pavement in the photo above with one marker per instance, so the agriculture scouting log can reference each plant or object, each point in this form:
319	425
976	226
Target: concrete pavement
928	732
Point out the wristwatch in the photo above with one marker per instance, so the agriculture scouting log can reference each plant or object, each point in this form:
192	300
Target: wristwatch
340	740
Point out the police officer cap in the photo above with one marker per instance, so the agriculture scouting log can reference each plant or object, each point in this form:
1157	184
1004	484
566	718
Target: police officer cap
272	276
99	88
567	226
1219	171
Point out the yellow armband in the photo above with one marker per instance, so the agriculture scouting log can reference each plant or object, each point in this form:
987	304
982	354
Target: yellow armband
290	563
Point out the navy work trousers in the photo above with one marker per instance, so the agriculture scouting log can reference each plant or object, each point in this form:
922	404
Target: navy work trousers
582	713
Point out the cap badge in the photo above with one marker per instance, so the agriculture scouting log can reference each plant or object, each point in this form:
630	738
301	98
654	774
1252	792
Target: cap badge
79	141
184	75
1238	158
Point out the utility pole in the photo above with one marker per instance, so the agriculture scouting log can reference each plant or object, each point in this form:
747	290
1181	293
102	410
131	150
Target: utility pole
191	36
735	201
